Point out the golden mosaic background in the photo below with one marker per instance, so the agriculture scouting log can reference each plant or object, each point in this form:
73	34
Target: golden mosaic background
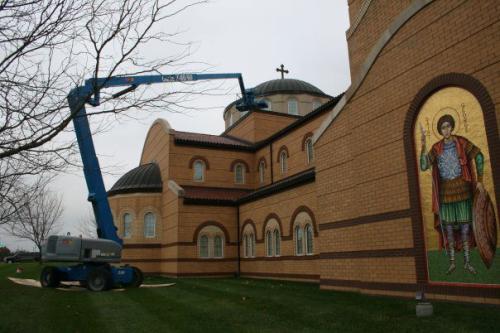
469	123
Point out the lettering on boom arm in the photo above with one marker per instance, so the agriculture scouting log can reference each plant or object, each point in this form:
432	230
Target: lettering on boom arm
178	78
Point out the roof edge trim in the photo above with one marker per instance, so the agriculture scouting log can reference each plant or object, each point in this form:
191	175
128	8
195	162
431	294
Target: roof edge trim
166	127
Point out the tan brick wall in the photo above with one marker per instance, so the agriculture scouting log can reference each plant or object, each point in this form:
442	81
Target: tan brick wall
190	218
376	20
297	160
258	126
361	166
219	173
283	205
137	204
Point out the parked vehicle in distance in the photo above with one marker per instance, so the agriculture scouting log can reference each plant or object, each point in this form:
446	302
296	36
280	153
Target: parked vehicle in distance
22	256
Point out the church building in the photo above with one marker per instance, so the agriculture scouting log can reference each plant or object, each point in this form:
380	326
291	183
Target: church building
391	187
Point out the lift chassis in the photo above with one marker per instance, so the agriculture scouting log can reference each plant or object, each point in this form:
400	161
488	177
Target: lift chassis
93	258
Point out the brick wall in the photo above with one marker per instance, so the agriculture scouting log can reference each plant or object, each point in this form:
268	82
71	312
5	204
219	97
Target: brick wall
282	207
362	174
259	125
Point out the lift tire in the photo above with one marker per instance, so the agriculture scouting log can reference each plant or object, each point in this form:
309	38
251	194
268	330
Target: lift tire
49	278
138	278
99	279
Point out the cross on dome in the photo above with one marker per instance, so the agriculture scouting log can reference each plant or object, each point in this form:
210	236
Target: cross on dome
282	70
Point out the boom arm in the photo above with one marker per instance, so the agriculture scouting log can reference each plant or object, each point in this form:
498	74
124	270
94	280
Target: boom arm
90	93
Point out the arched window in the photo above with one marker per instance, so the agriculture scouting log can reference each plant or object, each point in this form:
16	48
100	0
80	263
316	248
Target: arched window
204	246
269	104
198	171
149	225
316	104
231	118
239	173
277	242
249	245
309	150
262	167
293	106
299	239
309	239
218	247
211	242
127	225
269	243
283	162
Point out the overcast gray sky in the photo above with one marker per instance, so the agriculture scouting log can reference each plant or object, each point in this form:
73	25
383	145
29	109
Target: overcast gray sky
250	37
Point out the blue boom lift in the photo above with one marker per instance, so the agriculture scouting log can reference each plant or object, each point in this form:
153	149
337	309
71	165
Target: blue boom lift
93	257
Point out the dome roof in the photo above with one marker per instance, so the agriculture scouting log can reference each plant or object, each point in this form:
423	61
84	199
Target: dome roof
144	178
286	86
283	86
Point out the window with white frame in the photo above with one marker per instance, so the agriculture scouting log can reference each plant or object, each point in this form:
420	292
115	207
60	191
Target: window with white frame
273	238
252	245
127	225
262	170
277	242
246	248
309	150
199	171
269	243
203	245
211	242
249	245
303	234
316	104
293	106
149	225
248	241
283	162
239	173
309	239
218	247
299	240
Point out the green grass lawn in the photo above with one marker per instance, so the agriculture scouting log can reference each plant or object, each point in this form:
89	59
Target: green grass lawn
223	305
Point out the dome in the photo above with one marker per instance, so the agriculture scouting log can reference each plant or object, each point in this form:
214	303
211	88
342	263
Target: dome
283	86
144	178
291	86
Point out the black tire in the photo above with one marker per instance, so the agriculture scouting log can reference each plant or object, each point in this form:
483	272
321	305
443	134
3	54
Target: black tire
138	278
49	278
99	279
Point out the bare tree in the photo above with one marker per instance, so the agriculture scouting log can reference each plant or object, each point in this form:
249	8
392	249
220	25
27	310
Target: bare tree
87	226
48	47
37	219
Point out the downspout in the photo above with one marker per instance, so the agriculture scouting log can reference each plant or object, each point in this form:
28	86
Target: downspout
238	232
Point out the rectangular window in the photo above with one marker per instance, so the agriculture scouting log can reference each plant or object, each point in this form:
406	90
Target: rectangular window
293	107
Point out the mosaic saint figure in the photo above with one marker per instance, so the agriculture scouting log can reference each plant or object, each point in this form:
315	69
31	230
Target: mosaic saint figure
453	185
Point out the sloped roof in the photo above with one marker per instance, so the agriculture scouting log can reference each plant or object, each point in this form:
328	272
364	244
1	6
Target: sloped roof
211	195
210	140
144	178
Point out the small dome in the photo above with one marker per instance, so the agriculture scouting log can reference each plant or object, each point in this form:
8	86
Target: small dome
291	86
144	178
